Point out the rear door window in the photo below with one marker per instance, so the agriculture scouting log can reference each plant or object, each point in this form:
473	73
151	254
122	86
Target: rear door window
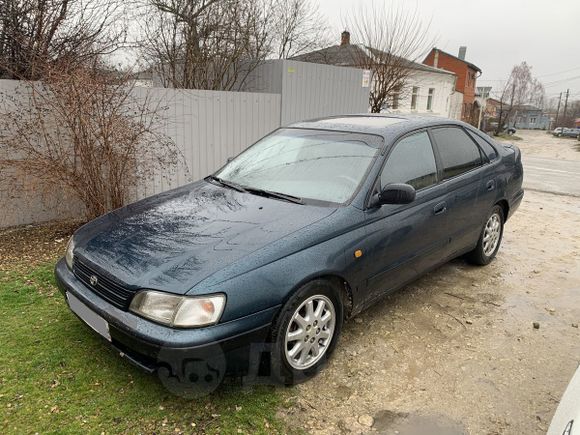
411	162
457	150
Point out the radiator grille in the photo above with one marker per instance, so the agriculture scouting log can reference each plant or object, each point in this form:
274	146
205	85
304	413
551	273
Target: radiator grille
112	291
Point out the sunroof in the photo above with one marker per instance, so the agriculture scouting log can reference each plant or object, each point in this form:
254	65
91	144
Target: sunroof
369	121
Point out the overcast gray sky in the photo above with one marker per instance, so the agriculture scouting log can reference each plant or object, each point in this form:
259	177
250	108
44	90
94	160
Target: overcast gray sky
499	34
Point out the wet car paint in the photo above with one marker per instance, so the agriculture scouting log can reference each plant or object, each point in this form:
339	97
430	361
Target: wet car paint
203	239
173	241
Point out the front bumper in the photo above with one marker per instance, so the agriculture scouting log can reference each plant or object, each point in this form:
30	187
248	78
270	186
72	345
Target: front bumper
227	346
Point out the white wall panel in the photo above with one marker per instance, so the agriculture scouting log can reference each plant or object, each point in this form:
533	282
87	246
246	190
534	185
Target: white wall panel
207	127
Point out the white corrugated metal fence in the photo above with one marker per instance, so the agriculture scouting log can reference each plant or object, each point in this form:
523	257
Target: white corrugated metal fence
207	127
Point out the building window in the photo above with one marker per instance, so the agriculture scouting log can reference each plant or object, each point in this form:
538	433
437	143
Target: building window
430	99
533	120
414	98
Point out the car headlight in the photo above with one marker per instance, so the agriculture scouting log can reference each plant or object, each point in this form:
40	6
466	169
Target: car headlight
178	311
68	257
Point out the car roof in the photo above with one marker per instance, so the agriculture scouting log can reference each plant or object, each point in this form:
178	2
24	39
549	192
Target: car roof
386	125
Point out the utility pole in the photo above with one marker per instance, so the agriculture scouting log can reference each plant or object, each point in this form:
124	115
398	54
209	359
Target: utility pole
481	110
512	105
480	114
558	110
566	103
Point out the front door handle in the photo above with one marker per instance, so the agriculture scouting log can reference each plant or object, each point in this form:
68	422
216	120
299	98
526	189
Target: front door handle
490	185
440	208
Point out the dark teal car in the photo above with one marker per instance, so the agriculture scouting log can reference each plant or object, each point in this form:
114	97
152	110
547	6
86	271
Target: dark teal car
256	267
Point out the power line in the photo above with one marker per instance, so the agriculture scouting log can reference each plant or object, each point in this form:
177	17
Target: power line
559	72
543	75
561	81
555	94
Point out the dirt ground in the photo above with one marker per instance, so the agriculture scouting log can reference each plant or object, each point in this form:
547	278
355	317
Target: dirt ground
457	352
538	143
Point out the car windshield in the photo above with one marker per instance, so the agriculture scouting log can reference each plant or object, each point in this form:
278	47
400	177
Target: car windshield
308	164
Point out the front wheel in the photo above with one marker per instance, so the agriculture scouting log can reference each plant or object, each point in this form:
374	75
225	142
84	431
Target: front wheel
489	240
306	332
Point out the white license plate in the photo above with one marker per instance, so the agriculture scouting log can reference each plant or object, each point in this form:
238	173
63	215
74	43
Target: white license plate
91	318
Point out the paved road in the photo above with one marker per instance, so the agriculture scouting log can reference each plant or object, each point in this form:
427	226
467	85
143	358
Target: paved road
551	175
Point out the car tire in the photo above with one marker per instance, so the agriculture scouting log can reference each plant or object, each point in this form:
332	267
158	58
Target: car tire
490	238
287	364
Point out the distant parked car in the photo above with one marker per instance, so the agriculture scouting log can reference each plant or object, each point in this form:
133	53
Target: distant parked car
492	127
309	226
566	132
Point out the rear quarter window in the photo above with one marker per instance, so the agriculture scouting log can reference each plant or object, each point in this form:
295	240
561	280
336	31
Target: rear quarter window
485	146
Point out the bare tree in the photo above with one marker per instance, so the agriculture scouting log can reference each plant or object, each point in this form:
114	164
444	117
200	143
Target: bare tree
83	129
520	88
205	44
215	44
391	38
36	33
537	94
298	27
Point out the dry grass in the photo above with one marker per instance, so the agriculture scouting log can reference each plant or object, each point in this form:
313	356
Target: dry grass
31	245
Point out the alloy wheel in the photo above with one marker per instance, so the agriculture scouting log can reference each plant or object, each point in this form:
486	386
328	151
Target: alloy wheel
310	332
491	234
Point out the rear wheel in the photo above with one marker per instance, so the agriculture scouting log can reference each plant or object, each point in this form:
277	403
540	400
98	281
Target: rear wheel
489	240
306	332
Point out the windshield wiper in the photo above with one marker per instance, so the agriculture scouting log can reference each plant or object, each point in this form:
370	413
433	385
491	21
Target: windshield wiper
278	195
261	192
226	183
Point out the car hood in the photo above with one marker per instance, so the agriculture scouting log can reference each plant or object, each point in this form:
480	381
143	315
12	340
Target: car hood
174	240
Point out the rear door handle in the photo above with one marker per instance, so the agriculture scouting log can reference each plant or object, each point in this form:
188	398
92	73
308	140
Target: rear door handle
490	185
440	208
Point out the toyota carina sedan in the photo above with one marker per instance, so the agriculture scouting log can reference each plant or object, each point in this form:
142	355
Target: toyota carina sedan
262	261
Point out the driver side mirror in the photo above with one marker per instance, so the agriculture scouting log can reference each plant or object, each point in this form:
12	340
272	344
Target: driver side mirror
397	193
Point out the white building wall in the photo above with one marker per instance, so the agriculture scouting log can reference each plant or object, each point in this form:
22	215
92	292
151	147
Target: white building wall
444	96
456	105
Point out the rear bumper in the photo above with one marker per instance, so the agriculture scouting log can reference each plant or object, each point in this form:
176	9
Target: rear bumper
515	203
150	346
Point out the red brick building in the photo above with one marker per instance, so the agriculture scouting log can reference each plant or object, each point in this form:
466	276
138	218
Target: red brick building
467	74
